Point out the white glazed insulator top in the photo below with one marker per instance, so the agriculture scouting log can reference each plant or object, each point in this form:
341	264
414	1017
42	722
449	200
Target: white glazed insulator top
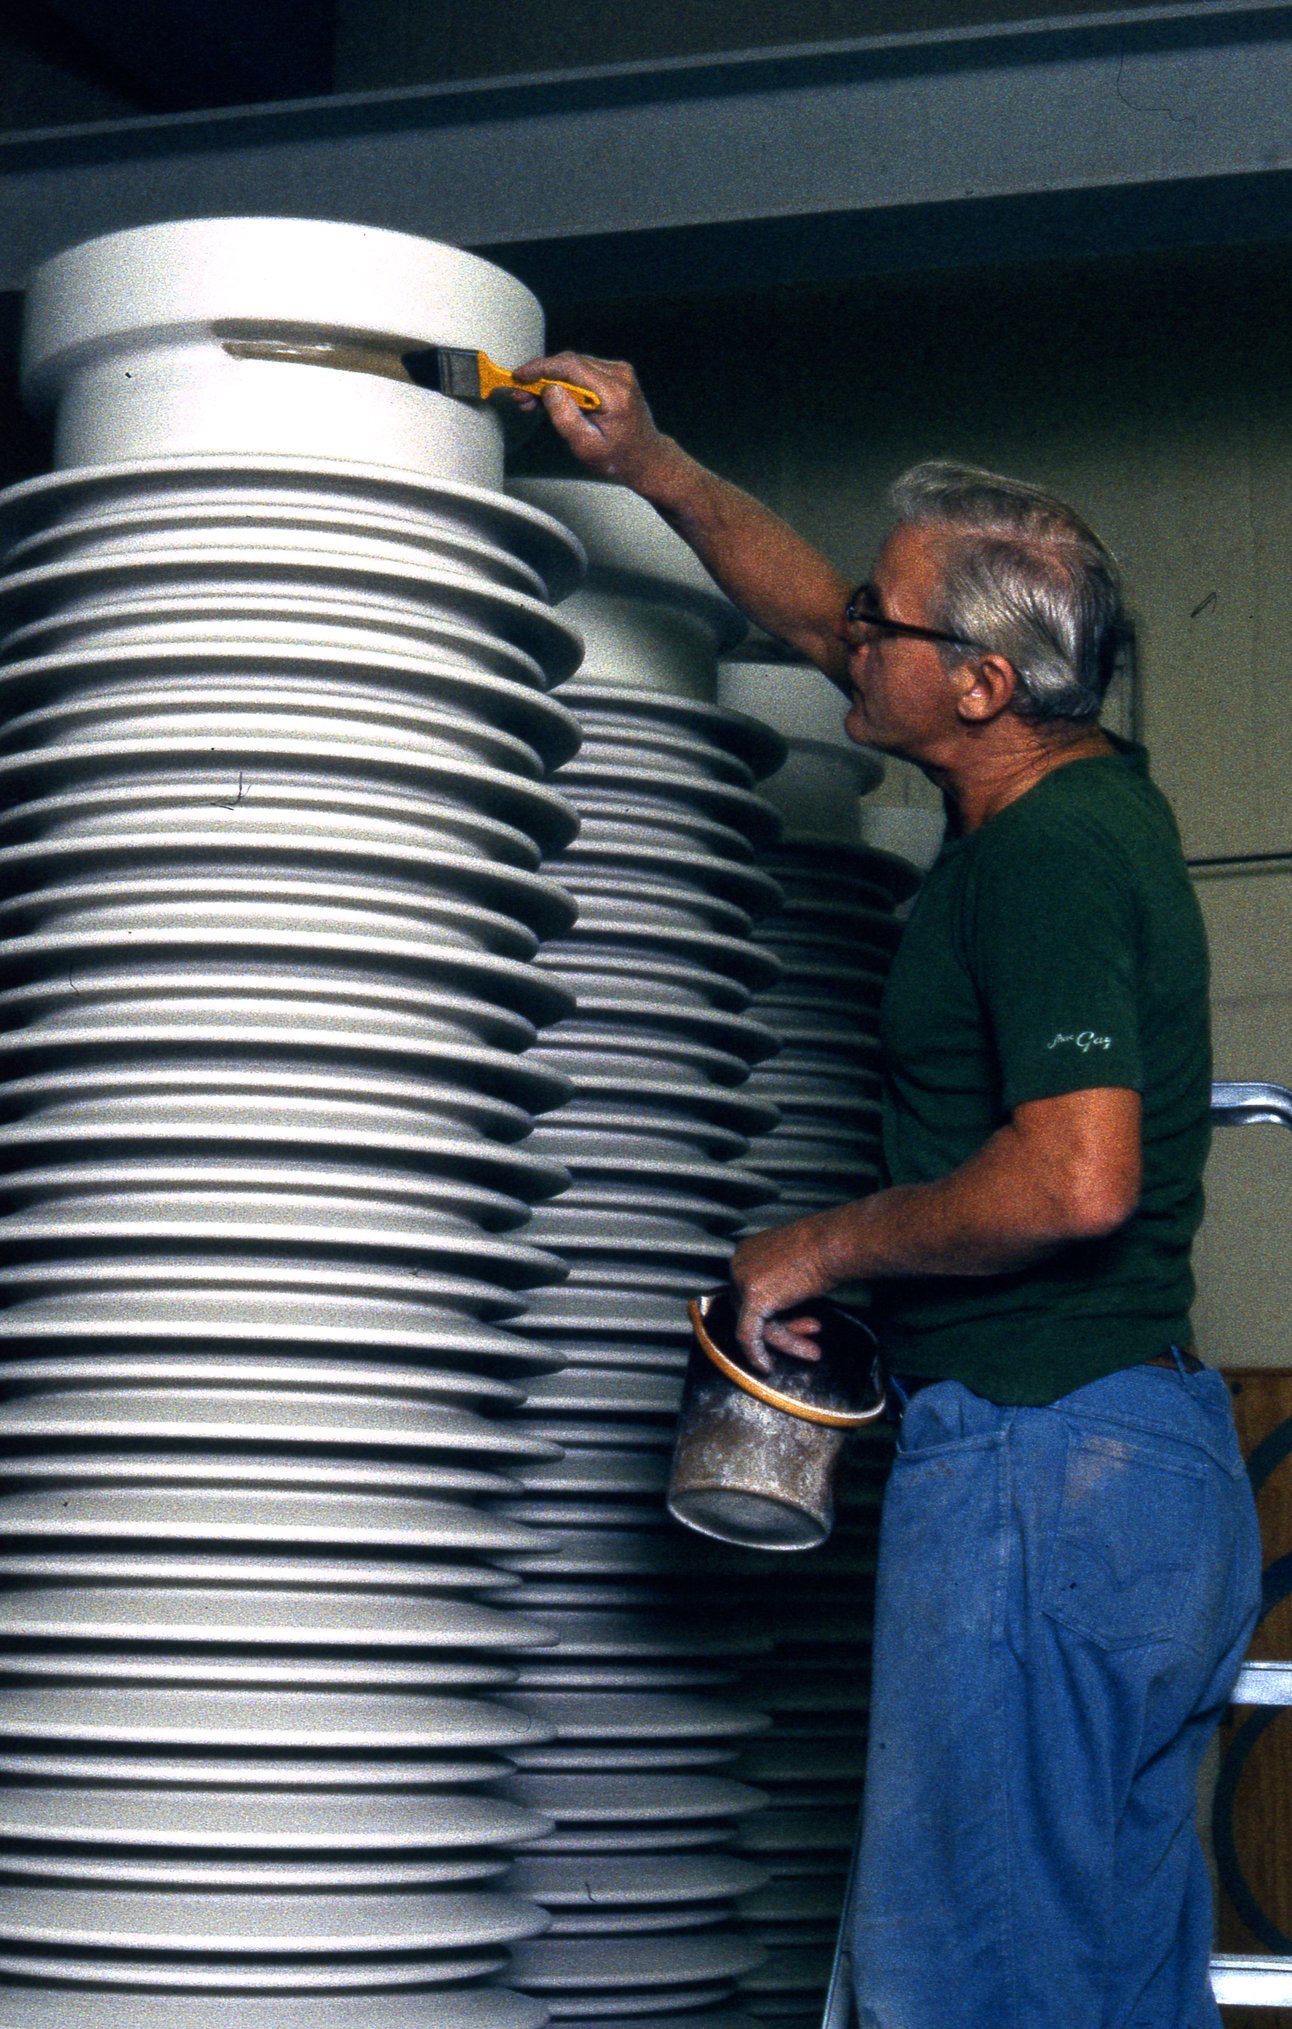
825	773
651	617
127	340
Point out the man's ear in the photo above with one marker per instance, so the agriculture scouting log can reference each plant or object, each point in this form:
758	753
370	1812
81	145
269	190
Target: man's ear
987	686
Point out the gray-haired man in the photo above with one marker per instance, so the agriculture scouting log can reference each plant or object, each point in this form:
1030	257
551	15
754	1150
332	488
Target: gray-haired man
1069	1566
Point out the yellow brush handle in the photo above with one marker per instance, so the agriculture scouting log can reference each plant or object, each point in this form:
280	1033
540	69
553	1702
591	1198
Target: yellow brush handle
492	376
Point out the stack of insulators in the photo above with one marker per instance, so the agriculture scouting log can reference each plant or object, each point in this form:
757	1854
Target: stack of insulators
639	1876
274	725
833	937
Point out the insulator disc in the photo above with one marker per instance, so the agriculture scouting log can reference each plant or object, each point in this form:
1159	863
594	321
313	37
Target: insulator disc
611	1472
185	1970
789	1971
275	1617
330	1818
260	1416
607	1679
799	1833
322	491
604	848
138	530
568	1966
79	869
208	1717
257	1872
141	1664
57	2007
597	1391
231	1470
563	1881
810	1899
726	2019
647	1800
258	1515
92	584
90	1917
172	691
636	1717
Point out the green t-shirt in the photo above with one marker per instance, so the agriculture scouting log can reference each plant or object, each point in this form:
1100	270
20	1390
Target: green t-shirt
1058	947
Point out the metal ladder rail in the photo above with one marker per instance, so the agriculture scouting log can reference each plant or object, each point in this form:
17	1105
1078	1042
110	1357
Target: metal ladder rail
1242	1103
1240	1979
1237	1980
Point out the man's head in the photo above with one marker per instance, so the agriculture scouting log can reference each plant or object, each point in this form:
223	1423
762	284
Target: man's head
990	606
1024	575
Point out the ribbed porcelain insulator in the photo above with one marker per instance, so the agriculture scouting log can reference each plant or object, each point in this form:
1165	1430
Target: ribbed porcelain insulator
275	735
833	935
658	1053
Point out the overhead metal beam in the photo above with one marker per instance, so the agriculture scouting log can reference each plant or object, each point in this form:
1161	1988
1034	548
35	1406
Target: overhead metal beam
181	53
1145	127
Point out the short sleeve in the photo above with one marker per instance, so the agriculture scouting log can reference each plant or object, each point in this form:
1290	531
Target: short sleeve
1053	938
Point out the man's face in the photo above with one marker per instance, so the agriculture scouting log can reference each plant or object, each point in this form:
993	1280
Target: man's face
904	698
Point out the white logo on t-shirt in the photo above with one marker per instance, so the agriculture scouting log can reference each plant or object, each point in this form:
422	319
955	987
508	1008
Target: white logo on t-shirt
1083	1040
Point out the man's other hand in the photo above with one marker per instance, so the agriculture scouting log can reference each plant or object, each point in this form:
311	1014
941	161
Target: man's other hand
775	1275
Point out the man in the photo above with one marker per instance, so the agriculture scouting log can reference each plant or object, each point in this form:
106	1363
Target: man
1069	1566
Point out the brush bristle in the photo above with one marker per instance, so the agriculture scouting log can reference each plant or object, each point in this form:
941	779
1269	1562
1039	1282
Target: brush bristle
452	371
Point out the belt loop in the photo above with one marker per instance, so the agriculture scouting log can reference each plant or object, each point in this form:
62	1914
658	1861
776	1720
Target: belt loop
898	1408
1177	1354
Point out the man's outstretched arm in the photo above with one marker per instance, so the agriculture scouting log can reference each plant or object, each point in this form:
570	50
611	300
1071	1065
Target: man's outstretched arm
772	574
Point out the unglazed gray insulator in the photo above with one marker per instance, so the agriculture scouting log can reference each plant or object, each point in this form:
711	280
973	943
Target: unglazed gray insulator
59	2004
833	934
613	1980
815	1687
658	1052
275	740
704	2019
656	1105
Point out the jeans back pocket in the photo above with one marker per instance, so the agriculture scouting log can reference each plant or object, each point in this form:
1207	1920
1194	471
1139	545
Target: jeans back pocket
1126	1547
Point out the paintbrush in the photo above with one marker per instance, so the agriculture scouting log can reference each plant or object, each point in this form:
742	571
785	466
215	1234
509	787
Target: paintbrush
467	376
473	376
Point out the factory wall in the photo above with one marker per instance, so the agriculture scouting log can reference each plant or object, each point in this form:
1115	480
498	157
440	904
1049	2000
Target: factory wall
1156	394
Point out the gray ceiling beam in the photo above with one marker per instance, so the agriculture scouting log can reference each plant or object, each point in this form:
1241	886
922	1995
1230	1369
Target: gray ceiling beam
1148	126
173	53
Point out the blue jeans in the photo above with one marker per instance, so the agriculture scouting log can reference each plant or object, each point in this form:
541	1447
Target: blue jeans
1063	1600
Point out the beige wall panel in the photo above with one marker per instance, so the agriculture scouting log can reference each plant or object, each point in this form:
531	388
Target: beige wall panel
1271	457
1244	1258
1243	1317
1249	926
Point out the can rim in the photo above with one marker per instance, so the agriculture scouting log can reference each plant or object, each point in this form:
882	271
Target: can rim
834	1419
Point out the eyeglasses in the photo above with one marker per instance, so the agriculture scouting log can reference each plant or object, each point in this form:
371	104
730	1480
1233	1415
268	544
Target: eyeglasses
861	611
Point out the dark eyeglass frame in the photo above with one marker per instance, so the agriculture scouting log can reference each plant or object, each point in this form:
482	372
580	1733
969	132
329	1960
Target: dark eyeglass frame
859	614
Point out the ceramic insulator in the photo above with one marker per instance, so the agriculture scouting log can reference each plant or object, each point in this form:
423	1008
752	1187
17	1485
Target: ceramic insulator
833	936
275	733
658	1051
